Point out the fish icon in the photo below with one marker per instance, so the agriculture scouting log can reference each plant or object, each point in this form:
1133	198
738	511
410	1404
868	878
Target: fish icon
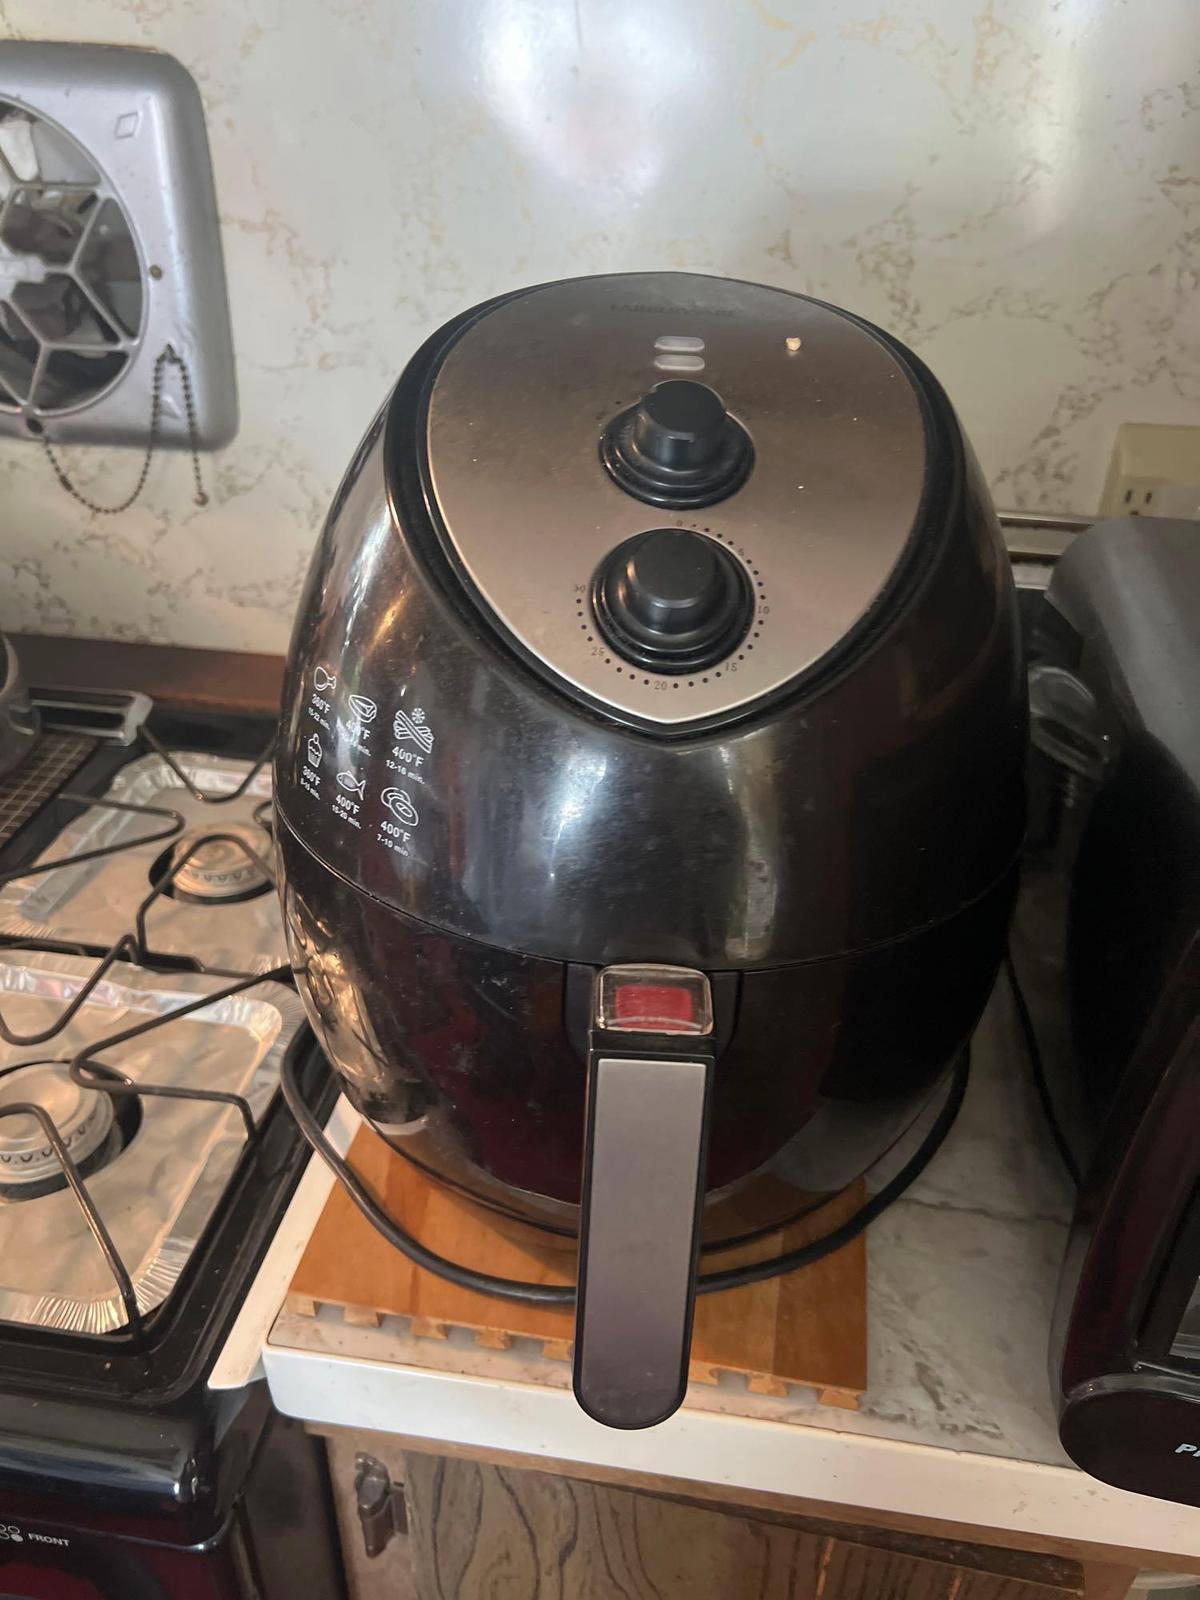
363	708
399	803
351	784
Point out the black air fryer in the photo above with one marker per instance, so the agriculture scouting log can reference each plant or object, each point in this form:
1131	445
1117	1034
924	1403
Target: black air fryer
650	782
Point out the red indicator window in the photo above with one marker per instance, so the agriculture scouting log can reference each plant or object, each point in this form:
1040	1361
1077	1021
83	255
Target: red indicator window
648	998
657	1006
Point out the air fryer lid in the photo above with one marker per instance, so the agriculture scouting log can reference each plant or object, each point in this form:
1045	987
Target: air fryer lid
436	761
568	425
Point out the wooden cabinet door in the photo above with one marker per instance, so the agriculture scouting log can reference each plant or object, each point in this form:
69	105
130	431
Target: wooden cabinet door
480	1532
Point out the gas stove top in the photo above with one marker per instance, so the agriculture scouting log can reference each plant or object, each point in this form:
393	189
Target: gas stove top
146	1008
155	827
154	1165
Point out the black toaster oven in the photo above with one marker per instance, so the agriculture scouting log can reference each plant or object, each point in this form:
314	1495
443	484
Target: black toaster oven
1115	879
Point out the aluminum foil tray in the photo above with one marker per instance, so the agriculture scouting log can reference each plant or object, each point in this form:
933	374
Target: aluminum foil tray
94	903
158	1194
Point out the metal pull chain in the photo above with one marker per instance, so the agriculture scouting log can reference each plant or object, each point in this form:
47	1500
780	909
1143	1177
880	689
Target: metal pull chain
171	355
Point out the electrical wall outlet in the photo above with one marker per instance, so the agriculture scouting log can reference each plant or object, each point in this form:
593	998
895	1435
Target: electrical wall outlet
1154	471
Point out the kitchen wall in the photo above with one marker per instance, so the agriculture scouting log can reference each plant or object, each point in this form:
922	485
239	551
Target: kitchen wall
1012	188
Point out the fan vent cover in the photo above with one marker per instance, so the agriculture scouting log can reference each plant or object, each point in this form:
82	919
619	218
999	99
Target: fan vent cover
72	295
110	249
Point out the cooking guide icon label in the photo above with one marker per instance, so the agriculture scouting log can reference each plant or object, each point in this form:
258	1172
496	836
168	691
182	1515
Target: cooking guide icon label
348	804
414	729
361	708
324	680
399	803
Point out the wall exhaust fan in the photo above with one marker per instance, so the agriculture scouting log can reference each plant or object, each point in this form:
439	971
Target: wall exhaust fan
110	251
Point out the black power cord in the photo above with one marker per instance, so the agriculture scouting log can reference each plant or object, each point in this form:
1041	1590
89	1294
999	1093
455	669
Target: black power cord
1037	1070
556	1294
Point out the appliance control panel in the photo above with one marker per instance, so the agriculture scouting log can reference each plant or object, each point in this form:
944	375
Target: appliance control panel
676	492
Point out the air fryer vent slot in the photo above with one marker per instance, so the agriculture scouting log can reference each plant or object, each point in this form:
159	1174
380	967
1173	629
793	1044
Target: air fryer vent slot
71	278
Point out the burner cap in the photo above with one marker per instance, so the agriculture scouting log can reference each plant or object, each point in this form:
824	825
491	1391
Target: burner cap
82	1117
220	869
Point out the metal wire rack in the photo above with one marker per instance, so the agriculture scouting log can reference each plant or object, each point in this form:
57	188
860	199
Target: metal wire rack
86	1069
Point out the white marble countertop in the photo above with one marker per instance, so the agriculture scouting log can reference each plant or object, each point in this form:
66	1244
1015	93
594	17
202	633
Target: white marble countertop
956	1423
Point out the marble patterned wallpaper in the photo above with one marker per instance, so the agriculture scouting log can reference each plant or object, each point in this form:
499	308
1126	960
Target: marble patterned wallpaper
1013	188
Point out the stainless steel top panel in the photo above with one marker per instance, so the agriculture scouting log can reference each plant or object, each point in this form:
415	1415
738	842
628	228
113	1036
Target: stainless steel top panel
516	415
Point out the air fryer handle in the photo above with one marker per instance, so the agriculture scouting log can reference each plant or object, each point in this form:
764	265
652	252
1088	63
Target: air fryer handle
645	1154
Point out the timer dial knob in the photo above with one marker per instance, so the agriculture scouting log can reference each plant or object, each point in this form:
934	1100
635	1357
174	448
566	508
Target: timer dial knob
672	600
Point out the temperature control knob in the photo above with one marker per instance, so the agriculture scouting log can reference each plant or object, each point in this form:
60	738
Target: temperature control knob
677	447
672	600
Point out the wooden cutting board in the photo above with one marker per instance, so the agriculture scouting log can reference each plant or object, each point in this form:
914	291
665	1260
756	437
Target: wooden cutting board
806	1328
